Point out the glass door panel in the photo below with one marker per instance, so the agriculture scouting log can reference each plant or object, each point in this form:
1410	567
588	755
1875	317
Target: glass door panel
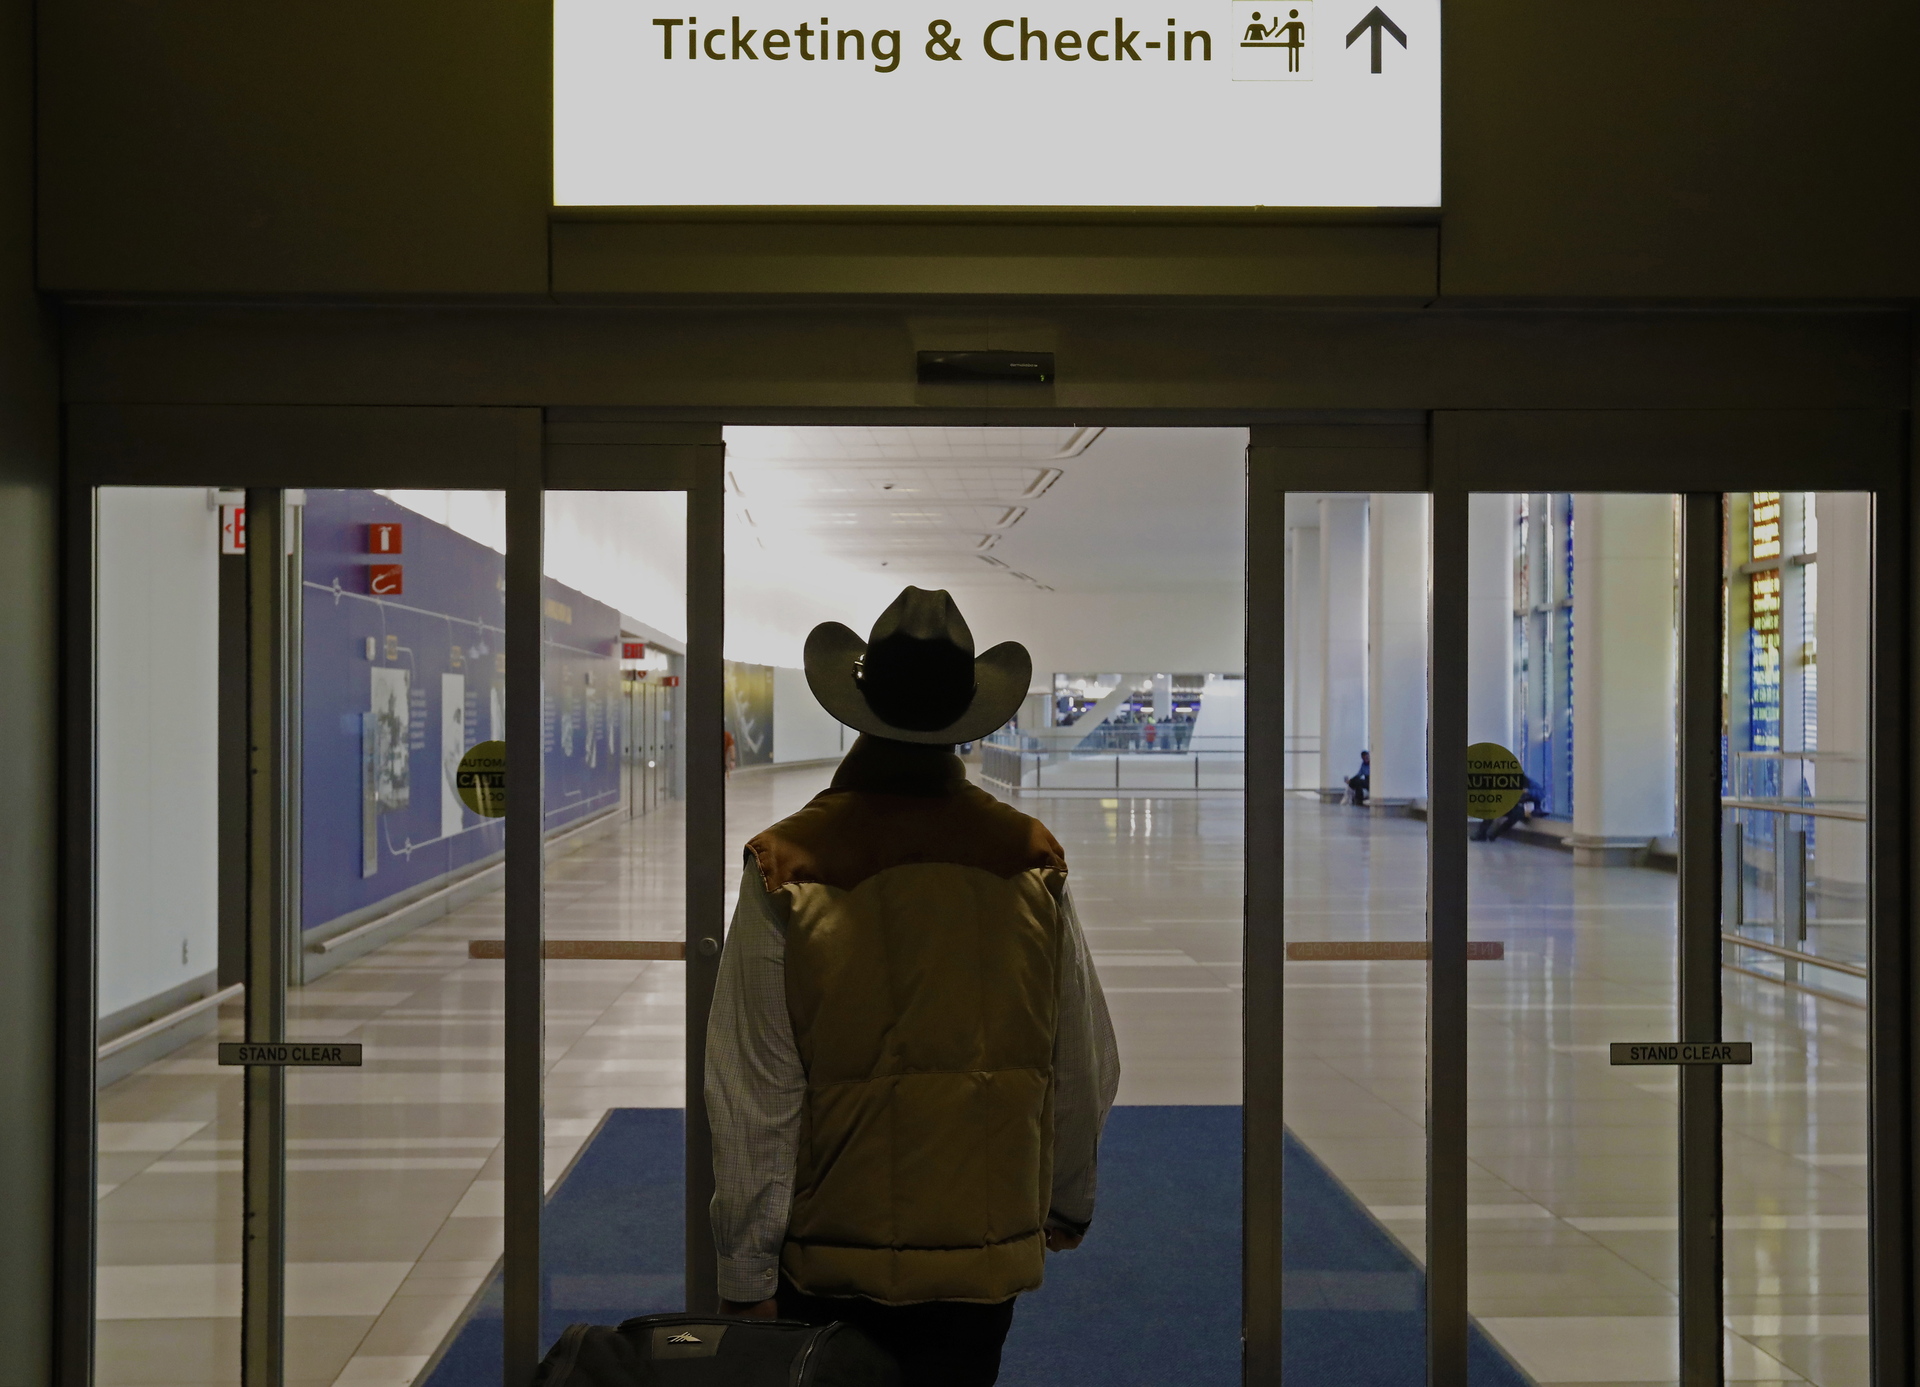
393	1179
1573	1207
1575	1227
170	922
1798	603
613	1240
1355	1187
649	746
1128	746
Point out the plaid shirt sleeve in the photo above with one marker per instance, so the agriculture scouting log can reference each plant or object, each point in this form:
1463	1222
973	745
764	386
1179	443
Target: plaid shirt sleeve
755	1085
1086	1075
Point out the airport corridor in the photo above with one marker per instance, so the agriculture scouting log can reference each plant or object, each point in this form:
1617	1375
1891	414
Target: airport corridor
394	1169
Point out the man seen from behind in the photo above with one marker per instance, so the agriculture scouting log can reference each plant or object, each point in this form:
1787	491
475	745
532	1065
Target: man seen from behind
909	1061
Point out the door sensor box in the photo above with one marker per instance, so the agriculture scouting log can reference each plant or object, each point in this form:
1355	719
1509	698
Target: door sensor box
1031	368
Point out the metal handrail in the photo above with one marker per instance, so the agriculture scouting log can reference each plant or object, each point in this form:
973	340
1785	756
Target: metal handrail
1099	742
992	767
1800	807
1098	751
1853	757
1852	970
1819	992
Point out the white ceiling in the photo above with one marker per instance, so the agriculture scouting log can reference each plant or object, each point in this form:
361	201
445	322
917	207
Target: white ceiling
1046	509
868	444
1116	549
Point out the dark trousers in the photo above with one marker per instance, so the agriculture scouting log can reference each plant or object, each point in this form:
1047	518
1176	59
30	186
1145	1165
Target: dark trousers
1489	830
942	1343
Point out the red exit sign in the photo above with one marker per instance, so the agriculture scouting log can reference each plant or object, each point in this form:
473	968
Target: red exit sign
633	650
383	539
233	529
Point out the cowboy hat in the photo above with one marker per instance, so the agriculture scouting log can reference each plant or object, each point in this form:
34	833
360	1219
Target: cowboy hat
916	679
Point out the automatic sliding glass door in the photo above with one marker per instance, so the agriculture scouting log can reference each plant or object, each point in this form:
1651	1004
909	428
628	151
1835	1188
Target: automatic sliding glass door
323	1212
169	690
1667	738
1449	1165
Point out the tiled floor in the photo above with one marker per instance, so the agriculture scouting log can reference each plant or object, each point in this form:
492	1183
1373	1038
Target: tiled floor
1572	1199
394	1170
395	1176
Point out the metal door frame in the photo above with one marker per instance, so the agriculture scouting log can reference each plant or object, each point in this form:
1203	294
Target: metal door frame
1699	455
525	451
267	449
582	453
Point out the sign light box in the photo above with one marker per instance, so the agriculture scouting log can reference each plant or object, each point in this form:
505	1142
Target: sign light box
943	103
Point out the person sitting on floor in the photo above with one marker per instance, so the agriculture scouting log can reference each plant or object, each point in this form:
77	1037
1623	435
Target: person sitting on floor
1487	830
1360	781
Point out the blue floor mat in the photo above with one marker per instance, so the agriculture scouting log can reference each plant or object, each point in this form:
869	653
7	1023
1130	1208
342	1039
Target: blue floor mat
613	1242
1152	1298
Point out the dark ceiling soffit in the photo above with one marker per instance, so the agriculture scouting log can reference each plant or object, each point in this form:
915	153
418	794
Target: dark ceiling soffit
1342	469
1017	216
982	416
615	454
1593	450
1670	450
301	445
616	260
487	447
1430	302
1340	456
622	467
625	429
1234	365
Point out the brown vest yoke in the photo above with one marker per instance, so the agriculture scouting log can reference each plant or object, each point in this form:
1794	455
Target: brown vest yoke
893	805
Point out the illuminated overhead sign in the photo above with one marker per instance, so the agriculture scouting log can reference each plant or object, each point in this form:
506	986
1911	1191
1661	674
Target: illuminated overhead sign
1236	103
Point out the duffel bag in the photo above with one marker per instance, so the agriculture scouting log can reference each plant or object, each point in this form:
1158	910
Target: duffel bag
716	1351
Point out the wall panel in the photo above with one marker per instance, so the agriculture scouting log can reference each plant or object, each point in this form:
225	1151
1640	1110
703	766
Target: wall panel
1684	150
198	445
34	1344
1390	263
1645	450
310	146
363	148
1123	359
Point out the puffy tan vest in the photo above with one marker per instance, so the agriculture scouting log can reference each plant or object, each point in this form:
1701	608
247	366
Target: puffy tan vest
922	967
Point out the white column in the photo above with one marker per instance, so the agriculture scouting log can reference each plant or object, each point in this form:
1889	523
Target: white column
1303	656
1162	697
1490	534
1343	638
1397	647
1623	676
1843	638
